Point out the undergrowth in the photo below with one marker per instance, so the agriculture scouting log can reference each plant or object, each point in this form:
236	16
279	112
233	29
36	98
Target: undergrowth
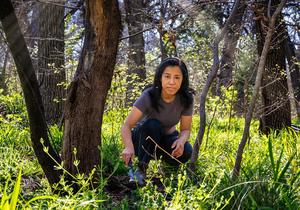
270	175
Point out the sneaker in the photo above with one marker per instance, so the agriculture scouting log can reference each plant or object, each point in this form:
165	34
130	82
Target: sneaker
136	177
140	177
131	174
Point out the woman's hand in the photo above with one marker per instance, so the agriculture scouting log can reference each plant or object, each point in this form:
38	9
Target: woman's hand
178	148
127	154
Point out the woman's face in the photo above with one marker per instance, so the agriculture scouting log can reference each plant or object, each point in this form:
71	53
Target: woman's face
171	80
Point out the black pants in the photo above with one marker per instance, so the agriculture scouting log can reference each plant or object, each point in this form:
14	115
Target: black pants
145	149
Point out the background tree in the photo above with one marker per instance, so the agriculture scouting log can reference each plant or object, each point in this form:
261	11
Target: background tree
163	14
34	105
276	113
269	36
294	70
229	48
3	69
50	72
136	73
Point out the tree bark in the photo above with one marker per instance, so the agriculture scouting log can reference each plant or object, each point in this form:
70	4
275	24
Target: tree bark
136	73
34	105
276	113
258	81
85	102
229	48
3	85
51	73
239	106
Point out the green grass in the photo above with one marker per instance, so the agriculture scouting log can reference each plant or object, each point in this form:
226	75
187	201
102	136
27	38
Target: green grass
270	175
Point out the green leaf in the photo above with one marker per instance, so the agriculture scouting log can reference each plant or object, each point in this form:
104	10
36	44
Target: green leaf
278	165
15	193
4	197
270	148
286	167
42	197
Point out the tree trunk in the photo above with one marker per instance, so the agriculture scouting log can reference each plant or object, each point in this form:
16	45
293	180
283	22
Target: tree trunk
136	73
51	73
229	48
38	127
239	106
292	99
258	81
163	50
33	32
243	82
162	32
276	108
3	85
294	72
85	102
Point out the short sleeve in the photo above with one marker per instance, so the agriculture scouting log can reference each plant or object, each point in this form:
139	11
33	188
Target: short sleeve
143	103
188	111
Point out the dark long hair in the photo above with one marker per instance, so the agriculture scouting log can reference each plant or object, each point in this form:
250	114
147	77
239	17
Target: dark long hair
185	92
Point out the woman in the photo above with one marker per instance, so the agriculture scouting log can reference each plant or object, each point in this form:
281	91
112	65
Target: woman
155	114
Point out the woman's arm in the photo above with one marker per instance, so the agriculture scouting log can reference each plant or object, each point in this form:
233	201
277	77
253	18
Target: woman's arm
185	130
133	117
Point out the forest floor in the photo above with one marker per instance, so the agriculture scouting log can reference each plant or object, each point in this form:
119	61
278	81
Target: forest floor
270	175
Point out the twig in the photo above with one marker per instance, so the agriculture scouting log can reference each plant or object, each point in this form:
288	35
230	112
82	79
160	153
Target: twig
56	4
148	137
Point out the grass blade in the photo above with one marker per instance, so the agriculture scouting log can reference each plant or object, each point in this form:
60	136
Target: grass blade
42	197
286	167
15	193
4	197
270	147
278	165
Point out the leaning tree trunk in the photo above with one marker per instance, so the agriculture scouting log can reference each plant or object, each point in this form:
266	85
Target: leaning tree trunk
33	100
85	102
276	113
136	73
229	48
258	82
51	73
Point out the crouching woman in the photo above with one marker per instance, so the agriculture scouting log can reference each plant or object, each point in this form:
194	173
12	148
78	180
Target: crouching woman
154	116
